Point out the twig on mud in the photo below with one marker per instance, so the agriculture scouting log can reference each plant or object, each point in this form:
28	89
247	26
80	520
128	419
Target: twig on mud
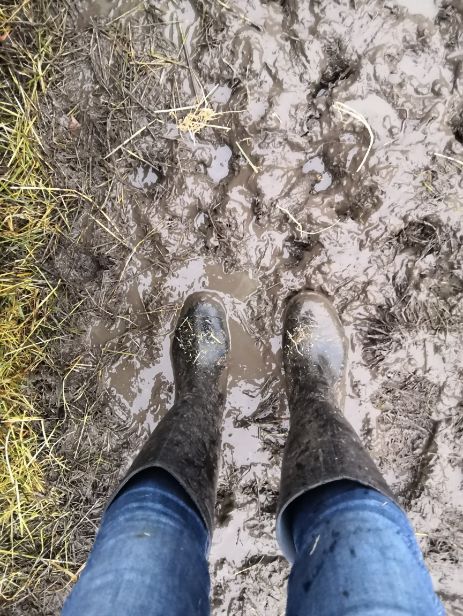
198	118
140	158
343	108
249	161
135	134
201	116
157	60
299	226
129	12
451	158
250	566
134	250
75	366
233	10
120	240
187	57
143	128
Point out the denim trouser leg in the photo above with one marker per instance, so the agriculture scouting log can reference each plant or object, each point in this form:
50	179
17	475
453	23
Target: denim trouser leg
149	557
356	554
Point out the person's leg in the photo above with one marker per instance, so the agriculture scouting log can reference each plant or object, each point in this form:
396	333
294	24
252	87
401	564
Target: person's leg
356	553
353	550
149	557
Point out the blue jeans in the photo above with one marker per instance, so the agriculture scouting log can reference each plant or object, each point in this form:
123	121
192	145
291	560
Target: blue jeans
355	555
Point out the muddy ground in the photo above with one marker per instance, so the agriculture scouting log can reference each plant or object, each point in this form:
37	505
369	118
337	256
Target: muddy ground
275	197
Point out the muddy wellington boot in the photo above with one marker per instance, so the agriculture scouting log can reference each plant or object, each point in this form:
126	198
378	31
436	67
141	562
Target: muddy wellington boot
186	443
322	447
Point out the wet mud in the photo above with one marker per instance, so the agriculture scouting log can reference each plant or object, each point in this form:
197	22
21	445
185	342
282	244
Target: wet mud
280	191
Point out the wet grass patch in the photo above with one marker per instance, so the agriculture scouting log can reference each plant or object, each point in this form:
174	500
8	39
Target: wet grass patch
33	521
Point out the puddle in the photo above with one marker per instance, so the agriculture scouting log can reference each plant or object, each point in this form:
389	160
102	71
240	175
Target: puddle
144	176
146	391
427	8
219	168
105	9
221	94
315	165
143	389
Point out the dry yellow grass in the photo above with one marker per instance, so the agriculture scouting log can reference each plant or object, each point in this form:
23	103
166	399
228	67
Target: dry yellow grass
29	506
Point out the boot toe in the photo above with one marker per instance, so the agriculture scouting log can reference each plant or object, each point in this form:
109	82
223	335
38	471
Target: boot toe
201	336
313	333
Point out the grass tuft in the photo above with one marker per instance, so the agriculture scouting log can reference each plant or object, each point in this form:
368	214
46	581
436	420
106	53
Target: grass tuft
199	117
29	506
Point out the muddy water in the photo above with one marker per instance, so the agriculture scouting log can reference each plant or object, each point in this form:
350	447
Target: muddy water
283	192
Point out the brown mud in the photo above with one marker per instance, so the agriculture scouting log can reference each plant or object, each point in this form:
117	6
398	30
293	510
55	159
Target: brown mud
168	214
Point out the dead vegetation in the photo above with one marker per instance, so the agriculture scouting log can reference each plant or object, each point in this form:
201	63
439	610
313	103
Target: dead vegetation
344	109
48	493
425	292
33	523
339	67
414	436
407	431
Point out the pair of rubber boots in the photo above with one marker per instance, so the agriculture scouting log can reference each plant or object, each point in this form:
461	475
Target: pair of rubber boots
321	447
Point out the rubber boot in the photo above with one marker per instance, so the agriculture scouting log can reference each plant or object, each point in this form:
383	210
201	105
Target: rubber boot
186	442
322	447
